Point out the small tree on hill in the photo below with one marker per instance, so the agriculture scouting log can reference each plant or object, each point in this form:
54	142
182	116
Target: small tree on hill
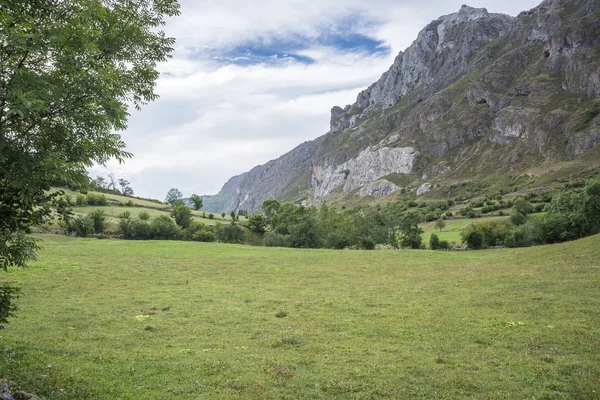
440	224
196	201
173	195
182	215
126	189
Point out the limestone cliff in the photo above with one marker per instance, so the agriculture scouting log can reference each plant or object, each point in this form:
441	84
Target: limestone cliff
476	94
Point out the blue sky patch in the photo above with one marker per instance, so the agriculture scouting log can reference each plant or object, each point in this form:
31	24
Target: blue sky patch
344	34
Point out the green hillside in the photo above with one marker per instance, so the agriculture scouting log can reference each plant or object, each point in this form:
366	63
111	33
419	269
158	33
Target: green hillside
147	320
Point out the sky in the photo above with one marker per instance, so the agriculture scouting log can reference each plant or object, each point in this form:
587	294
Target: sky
251	80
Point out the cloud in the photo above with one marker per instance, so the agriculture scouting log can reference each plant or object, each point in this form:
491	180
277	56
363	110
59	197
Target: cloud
249	81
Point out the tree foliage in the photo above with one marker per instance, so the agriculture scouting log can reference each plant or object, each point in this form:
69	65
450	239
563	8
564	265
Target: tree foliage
68	70
196	201
173	196
182	215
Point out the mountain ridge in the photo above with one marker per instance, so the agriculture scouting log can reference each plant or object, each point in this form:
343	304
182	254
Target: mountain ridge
474	90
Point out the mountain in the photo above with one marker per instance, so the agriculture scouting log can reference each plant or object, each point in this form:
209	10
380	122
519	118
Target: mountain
478	98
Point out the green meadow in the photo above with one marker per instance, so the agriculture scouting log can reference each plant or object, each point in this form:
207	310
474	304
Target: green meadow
112	319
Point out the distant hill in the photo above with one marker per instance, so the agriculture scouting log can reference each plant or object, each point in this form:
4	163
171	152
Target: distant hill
478	99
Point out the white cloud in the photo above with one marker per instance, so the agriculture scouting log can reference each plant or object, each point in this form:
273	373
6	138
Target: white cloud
214	121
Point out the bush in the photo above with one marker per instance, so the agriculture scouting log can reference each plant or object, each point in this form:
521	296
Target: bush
144	215
135	229
78	226
366	243
518	218
164	228
98	219
182	215
472	238
203	236
274	239
520	205
199	232
477	236
229	233
305	234
523	236
96	199
436	244
257	223
81	200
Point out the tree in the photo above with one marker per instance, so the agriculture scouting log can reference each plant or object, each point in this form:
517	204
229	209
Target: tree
410	232
126	189
232	214
196	201
257	223
440	224
223	215
100	182
173	195
270	208
112	182
182	215
68	71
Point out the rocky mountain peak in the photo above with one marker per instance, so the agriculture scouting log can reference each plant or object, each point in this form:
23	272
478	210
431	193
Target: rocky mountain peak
438	57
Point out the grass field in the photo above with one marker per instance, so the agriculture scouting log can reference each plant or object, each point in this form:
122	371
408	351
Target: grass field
113	213
451	232
111	319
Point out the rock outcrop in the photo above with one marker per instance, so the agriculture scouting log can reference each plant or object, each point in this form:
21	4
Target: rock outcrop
424	189
357	172
378	188
476	93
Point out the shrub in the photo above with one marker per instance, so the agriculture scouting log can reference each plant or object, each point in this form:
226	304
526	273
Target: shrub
96	199
274	239
520	205
523	236
229	233
81	200
135	229
366	243
472	238
98	219
203	236
257	223
182	215
144	215
78	226
164	228
305	234
477	236
518	218
199	232
435	243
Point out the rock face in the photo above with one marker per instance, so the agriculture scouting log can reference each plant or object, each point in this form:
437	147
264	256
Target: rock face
476	93
368	167
378	188
424	189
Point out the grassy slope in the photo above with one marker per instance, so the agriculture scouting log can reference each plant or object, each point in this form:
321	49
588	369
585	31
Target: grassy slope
359	324
453	227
